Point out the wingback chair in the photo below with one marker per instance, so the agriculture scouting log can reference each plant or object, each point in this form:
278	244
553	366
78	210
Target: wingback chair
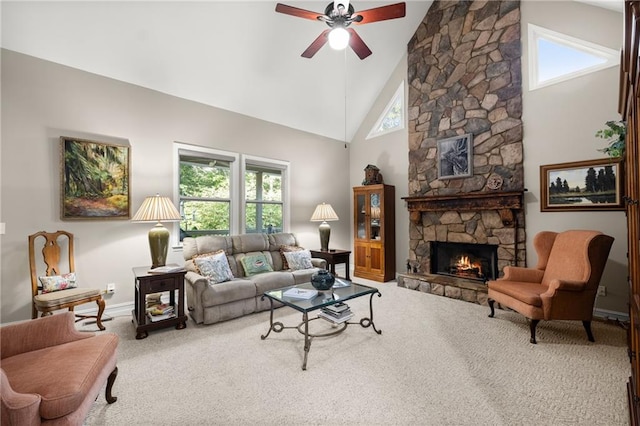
564	283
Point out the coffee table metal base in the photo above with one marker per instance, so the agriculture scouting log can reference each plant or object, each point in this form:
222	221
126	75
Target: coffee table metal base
303	327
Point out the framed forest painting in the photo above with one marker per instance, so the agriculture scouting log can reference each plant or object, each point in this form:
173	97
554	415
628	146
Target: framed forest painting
94	180
582	186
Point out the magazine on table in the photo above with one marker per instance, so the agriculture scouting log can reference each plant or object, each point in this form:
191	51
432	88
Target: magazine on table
339	283
300	293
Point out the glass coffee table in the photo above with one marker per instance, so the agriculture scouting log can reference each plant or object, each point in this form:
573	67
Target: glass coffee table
321	300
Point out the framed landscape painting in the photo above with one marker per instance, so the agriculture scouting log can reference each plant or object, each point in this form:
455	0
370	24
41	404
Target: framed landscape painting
455	157
582	186
94	179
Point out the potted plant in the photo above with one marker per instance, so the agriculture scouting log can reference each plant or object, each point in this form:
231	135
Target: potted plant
614	133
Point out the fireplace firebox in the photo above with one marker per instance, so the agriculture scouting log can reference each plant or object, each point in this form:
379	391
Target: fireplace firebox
464	260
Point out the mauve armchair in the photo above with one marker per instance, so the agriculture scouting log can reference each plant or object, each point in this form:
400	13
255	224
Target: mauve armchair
50	373
564	283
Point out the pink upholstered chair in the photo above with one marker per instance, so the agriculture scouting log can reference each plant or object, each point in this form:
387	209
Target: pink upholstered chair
564	283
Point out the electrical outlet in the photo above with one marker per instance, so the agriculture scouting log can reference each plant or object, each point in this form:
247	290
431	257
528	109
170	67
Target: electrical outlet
602	290
111	288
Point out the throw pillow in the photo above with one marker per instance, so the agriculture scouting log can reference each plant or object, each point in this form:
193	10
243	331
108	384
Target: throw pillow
299	259
285	249
58	282
214	266
255	264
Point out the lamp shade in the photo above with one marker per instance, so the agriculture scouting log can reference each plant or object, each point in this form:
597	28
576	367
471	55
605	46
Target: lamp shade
157	209
323	213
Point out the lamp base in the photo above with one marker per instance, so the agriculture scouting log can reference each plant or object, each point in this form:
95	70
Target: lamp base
325	232
159	245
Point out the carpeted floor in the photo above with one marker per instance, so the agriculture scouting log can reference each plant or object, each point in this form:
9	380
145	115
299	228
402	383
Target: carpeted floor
438	361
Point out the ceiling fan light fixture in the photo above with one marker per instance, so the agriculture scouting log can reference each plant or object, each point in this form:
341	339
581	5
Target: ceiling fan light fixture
338	38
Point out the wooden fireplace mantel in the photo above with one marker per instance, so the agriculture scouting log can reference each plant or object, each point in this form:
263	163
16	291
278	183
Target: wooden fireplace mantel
506	203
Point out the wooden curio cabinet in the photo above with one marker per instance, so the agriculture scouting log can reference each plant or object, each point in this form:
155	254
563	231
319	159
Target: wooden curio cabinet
629	106
374	244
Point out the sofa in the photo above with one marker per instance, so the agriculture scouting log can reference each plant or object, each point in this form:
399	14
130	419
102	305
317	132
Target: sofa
50	373
211	302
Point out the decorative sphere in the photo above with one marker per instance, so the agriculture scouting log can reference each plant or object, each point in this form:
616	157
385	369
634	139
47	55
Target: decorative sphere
322	280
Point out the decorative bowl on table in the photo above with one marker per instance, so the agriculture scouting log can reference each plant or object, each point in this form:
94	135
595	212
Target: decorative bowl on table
322	280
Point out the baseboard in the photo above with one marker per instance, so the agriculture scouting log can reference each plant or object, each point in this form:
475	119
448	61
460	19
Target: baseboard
611	315
117	310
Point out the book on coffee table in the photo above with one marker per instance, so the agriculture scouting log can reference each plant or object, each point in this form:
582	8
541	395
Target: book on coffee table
300	293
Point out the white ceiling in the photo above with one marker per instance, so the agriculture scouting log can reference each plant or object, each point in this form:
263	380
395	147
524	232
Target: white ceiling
241	56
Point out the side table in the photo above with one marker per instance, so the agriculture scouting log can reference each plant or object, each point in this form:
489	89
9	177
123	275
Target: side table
148	283
332	257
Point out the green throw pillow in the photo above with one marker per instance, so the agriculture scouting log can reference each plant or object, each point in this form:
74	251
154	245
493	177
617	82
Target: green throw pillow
255	264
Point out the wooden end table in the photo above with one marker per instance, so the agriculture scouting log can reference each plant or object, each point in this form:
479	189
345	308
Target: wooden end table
332	257
148	283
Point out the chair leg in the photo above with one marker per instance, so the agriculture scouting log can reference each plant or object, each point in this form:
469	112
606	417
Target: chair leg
493	311
587	328
100	303
532	326
112	378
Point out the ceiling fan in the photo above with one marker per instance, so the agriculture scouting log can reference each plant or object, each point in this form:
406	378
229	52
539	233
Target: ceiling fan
339	15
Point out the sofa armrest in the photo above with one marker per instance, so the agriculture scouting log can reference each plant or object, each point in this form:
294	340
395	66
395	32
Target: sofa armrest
566	286
517	273
18	408
39	333
319	263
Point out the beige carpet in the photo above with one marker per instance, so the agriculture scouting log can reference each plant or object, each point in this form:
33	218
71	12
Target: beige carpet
438	362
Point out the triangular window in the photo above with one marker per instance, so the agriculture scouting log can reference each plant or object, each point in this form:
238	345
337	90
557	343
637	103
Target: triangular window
392	117
556	57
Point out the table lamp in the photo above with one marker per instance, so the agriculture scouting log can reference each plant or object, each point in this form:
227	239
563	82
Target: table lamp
323	213
157	209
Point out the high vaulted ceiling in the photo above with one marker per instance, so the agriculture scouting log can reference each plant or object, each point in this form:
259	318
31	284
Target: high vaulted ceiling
241	56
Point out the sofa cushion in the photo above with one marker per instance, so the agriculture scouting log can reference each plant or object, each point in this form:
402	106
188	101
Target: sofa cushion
272	280
74	367
298	260
255	264
214	266
229	291
58	282
285	249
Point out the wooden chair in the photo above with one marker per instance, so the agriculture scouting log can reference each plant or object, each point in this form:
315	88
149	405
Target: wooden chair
49	265
564	283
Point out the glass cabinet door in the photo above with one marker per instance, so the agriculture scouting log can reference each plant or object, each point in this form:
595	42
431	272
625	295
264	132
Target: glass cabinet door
361	215
374	216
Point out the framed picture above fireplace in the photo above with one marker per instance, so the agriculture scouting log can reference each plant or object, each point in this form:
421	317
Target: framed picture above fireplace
455	157
582	186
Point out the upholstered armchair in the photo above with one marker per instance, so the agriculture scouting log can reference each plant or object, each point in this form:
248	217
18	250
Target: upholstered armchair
564	283
50	373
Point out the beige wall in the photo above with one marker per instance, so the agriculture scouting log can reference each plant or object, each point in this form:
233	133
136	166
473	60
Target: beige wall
42	101
559	126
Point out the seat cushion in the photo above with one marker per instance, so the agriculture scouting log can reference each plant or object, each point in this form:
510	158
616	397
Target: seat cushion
62	375
226	292
48	300
528	293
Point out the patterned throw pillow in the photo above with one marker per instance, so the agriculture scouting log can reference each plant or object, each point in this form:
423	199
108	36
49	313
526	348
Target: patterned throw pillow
58	282
285	249
214	266
299	259
255	264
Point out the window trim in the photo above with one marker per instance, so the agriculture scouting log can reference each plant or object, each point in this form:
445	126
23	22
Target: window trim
611	56
400	92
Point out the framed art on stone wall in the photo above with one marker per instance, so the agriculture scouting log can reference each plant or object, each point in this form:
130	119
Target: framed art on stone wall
455	157
582	186
94	180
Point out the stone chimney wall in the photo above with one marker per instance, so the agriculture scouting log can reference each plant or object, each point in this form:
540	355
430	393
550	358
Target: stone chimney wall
465	77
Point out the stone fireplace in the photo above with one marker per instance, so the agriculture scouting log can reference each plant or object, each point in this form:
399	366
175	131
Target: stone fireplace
471	261
465	77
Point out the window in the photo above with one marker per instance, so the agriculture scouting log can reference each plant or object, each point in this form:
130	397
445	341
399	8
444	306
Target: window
556	57
225	193
205	191
392	118
264	195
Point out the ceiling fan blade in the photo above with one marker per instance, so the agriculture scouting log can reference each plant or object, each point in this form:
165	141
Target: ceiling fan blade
358	46
316	45
294	11
383	13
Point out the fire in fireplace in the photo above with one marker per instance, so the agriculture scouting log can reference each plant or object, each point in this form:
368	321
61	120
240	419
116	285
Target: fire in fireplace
473	261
